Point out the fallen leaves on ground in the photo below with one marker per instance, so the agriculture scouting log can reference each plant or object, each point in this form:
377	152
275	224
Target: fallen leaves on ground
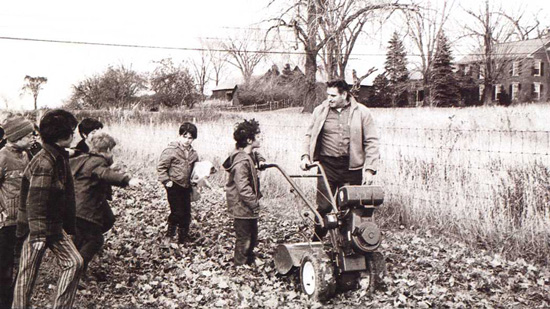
144	269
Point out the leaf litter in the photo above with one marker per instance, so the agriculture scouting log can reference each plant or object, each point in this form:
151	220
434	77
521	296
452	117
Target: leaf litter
144	269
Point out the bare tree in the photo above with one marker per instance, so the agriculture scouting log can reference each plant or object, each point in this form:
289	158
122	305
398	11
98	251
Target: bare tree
115	87
246	50
424	27
33	84
336	52
201	71
309	20
492	27
217	59
356	86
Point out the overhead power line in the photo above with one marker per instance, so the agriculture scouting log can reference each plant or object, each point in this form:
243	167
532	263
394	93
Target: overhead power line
217	49
142	46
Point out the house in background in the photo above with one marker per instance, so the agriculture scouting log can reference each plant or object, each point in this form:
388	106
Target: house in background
525	75
227	91
364	93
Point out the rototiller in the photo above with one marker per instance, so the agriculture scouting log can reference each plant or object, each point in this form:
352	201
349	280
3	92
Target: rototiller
349	256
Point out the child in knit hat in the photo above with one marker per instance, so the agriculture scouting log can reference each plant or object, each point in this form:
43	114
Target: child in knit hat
13	160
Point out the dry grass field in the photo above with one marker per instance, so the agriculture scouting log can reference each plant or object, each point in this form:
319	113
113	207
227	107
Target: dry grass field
480	174
465	219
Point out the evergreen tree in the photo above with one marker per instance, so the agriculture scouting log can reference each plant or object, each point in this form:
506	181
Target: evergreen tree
396	71
445	90
381	96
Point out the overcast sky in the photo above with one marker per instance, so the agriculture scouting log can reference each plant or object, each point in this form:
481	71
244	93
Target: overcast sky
153	23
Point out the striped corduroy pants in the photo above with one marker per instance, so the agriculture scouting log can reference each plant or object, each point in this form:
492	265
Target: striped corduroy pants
69	260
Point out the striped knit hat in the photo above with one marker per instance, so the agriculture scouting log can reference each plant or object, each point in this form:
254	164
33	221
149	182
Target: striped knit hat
16	128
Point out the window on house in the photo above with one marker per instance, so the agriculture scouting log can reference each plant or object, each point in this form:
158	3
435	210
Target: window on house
497	91
515	68
481	73
514	90
537	90
537	69
467	70
481	88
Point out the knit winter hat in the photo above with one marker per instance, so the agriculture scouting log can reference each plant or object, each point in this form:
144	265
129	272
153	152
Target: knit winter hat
16	128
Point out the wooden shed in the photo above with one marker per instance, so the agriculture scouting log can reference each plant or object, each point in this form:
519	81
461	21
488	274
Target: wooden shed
227	92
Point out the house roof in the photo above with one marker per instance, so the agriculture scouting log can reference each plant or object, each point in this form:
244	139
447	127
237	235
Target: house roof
523	49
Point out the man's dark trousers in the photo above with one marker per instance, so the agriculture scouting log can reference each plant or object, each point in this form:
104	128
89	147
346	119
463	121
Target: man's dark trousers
338	175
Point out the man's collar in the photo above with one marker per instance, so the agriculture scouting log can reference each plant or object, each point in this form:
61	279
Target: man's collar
348	104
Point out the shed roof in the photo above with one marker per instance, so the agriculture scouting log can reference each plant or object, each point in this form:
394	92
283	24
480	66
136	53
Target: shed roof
227	84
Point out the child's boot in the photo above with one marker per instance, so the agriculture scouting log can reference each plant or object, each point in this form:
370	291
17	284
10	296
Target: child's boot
171	231
183	235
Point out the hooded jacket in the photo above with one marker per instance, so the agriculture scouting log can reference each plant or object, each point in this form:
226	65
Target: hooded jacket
243	188
13	162
363	144
92	184
176	164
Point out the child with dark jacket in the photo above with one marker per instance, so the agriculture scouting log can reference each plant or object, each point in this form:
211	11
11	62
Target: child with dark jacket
47	213
243	190
13	161
174	170
93	179
86	127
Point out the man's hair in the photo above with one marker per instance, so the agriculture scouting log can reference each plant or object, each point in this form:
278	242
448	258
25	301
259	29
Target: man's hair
57	125
244	131
188	127
101	142
340	84
87	125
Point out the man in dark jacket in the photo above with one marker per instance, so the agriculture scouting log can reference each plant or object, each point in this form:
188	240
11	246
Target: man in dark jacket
47	213
243	190
93	179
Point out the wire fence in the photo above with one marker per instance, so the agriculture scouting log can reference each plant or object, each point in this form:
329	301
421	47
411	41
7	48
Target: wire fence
448	167
420	167
268	106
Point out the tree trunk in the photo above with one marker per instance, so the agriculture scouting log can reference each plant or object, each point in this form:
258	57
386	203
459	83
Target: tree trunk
35	102
487	40
311	71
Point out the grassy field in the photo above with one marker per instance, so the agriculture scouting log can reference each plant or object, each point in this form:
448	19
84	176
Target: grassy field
465	188
480	174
